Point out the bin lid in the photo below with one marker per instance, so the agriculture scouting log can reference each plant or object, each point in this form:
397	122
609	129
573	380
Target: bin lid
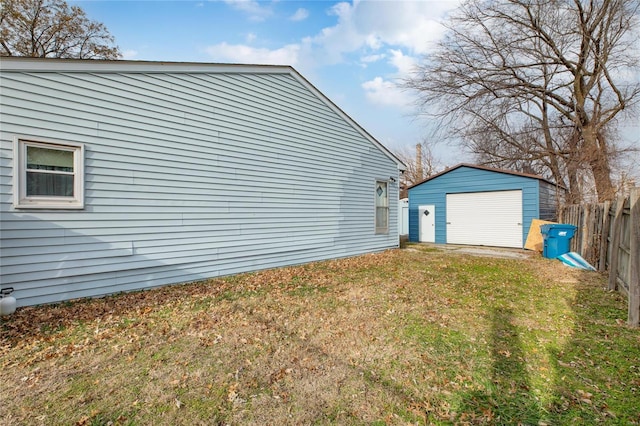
553	230
559	226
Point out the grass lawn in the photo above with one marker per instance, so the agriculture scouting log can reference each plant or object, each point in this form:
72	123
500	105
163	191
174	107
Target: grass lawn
413	336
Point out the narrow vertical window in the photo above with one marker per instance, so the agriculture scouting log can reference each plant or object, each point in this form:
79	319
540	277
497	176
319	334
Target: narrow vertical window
48	175
382	208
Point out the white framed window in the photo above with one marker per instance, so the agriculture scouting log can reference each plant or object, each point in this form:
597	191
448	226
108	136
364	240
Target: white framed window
48	175
382	207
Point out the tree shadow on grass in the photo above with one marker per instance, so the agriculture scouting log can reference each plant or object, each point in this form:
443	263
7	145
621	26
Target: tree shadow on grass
596	373
597	378
507	399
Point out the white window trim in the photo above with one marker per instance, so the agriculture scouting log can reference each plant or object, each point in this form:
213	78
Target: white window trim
20	199
380	230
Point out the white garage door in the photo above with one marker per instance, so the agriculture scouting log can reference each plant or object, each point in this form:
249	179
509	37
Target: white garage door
485	218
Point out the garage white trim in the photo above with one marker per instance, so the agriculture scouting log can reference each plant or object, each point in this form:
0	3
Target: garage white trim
485	218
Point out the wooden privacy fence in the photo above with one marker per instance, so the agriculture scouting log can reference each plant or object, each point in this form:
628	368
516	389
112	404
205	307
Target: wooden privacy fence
608	237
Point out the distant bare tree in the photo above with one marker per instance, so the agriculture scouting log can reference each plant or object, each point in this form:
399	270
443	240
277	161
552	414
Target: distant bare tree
52	29
420	162
537	85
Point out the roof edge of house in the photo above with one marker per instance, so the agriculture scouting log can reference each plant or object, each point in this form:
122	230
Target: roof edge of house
345	116
23	63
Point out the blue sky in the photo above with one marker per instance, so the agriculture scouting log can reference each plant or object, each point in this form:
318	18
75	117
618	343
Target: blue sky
352	52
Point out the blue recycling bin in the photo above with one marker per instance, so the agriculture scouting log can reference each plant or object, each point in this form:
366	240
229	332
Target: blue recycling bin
556	239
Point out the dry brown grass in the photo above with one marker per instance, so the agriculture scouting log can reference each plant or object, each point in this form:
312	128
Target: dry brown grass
400	337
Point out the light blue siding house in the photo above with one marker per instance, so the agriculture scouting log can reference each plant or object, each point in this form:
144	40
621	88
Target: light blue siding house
125	175
476	205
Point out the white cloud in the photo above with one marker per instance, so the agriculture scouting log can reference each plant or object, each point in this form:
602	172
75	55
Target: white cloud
410	25
365	32
129	54
238	53
332	42
384	92
413	25
405	29
373	41
250	37
404	63
372	58
253	8
300	15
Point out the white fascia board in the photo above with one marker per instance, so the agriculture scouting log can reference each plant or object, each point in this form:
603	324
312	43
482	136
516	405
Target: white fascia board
18	64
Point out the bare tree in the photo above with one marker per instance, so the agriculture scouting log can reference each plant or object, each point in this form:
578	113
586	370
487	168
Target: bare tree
421	163
52	29
536	84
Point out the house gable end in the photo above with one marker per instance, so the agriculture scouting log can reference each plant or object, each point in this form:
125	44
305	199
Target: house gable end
21	64
191	172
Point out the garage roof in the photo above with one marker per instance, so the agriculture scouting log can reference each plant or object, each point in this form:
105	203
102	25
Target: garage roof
491	169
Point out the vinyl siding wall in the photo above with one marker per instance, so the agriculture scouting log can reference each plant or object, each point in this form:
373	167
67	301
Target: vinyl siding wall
187	176
467	179
550	198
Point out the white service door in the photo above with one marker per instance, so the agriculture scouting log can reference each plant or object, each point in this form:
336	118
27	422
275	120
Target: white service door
485	218
427	223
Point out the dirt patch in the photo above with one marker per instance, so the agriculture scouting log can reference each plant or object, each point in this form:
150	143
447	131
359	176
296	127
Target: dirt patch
483	251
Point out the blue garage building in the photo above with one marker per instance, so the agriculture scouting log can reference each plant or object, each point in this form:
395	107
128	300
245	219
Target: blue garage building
477	205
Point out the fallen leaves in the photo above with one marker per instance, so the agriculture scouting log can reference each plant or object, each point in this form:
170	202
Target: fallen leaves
406	336
584	396
233	396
